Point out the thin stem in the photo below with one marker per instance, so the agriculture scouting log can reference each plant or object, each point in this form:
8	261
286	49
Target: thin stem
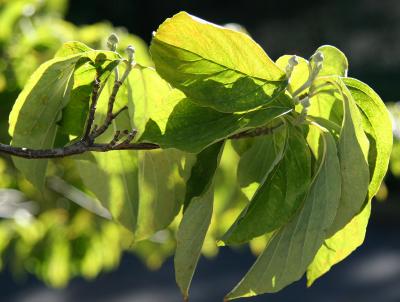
111	101
92	110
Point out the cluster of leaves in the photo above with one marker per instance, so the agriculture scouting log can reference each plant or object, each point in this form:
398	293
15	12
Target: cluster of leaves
309	183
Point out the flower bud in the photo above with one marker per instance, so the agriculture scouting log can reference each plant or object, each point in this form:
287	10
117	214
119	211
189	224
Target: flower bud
112	42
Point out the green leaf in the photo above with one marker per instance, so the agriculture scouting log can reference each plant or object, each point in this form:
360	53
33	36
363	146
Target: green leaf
179	123
353	155
281	193
215	66
264	153
36	111
335	62
190	238
202	172
291	250
339	246
377	125
378	128
197	215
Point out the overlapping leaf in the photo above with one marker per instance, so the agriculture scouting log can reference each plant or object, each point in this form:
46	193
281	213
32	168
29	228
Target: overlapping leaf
287	255
179	123
280	194
33	120
197	216
263	154
215	66
377	125
353	148
35	113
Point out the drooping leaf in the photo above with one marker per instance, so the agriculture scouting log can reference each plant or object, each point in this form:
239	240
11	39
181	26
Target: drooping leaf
190	238
378	128
377	125
180	123
202	172
291	250
281	193
215	66
197	215
339	246
353	148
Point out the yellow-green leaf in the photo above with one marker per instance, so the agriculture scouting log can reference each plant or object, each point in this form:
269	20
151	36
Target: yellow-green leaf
215	66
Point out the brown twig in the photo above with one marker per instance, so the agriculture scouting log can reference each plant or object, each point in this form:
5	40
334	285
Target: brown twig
81	147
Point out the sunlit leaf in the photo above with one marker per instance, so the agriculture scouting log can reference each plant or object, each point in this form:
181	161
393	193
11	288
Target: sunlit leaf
335	62
378	128
353	148
215	66
339	246
179	123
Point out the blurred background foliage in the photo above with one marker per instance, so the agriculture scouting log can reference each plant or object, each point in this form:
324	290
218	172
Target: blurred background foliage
48	233
45	233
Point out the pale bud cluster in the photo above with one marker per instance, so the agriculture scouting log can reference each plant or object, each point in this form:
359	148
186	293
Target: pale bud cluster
315	66
112	42
293	61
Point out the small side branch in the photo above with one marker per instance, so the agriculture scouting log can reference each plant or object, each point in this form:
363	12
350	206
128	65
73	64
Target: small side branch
81	147
74	149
